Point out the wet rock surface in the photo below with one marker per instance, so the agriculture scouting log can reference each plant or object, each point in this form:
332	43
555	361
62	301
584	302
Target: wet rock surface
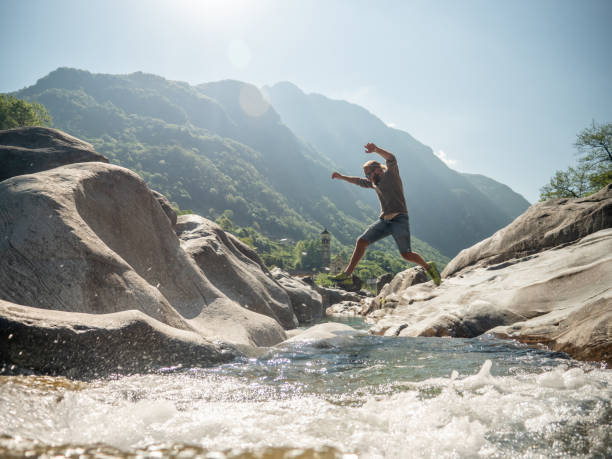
345	308
88	346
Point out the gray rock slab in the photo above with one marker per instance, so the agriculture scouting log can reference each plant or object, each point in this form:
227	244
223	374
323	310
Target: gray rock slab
235	269
331	296
307	302
544	225
166	207
33	149
584	331
400	281
344	309
94	345
325	335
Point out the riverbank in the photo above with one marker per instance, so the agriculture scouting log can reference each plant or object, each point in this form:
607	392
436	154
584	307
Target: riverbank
370	396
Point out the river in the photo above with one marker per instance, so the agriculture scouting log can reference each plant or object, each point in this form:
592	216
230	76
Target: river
365	396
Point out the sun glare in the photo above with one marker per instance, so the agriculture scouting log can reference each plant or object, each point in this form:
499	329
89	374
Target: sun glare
216	10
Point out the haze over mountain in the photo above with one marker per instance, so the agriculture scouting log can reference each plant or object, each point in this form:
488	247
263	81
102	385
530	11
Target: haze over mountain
446	209
220	146
509	201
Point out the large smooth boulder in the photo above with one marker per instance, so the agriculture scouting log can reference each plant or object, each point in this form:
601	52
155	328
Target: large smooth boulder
560	297
307	302
235	269
401	281
33	149
92	345
325	335
166	207
332	295
92	238
584	332
544	225
344	309
383	280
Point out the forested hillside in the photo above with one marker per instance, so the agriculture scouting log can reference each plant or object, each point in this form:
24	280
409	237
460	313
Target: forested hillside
215	149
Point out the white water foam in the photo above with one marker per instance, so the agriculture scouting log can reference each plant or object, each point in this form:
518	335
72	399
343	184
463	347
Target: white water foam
469	416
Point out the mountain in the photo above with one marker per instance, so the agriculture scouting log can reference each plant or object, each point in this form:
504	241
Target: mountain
211	148
446	209
509	201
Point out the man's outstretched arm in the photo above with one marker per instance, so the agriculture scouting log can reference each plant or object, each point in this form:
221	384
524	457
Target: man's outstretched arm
372	148
347	178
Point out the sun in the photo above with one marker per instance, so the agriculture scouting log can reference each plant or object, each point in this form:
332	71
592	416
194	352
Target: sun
217	10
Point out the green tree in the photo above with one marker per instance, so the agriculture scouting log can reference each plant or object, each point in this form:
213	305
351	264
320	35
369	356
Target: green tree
308	255
225	220
594	169
572	183
595	143
17	113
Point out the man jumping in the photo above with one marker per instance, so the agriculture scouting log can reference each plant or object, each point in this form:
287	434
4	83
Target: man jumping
393	220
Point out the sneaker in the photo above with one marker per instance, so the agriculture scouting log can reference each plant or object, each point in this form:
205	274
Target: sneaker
434	273
342	279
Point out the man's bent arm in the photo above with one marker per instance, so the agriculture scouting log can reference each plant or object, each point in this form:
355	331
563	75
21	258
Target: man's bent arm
347	178
372	148
385	154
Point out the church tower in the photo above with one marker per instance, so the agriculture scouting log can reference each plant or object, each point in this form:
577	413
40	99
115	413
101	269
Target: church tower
325	248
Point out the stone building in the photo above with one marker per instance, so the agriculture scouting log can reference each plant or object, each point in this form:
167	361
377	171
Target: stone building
337	264
325	248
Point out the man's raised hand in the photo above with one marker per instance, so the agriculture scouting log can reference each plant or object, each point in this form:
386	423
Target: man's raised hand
370	148
335	175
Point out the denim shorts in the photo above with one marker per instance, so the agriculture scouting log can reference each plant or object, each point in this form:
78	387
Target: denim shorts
398	227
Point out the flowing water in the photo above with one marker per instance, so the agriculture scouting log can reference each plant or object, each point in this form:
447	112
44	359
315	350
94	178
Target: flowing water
366	396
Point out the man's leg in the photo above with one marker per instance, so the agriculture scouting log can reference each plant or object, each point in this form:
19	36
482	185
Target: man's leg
360	248
345	279
414	257
400	228
430	269
375	232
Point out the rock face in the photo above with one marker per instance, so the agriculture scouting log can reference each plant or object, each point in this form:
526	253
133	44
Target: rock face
558	295
400	282
544	225
91	238
237	271
383	280
88	345
583	332
33	149
307	302
166	207
330	296
324	335
344	309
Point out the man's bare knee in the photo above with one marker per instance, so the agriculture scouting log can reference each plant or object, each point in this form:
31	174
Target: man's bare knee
362	242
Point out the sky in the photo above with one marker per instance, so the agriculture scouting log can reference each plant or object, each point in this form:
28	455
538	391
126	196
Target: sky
499	88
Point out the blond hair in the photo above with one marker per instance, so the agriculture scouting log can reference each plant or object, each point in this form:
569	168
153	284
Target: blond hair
373	163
